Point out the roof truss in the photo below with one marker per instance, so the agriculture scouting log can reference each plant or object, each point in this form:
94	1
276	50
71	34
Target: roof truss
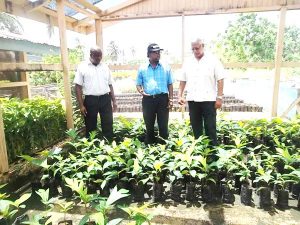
134	9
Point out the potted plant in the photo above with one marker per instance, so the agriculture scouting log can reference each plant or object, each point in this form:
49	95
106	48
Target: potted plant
9	208
103	208
48	176
176	180
138	176
282	181
295	176
137	214
38	219
48	204
264	177
79	188
209	190
244	173
157	178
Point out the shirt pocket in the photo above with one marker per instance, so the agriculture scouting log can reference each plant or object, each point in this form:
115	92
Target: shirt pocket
87	78
208	72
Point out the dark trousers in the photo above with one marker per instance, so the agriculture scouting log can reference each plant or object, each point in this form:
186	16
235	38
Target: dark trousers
156	106
102	105
203	113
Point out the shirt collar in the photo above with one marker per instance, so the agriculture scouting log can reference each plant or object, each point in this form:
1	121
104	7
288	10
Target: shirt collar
202	59
91	64
158	64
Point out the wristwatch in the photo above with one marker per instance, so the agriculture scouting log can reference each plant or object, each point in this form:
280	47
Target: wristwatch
220	97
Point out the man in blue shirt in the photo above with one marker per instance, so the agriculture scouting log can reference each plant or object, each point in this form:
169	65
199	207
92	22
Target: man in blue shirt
155	83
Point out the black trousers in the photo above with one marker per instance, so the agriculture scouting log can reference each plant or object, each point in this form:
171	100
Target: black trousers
203	113
156	107
102	105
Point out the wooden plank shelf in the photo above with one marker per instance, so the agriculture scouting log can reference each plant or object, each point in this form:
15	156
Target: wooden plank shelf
13	84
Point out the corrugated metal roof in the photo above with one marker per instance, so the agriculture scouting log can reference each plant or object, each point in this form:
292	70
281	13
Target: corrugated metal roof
69	11
9	35
14	42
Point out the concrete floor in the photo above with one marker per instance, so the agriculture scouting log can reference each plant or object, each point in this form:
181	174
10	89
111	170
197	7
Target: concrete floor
172	213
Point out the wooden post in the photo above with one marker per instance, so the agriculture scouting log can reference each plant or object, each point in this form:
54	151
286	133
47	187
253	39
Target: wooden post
99	37
25	90
298	105
65	62
182	38
3	151
278	60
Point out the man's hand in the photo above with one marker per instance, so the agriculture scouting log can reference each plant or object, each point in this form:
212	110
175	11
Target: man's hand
114	106
218	103
181	101
141	91
83	111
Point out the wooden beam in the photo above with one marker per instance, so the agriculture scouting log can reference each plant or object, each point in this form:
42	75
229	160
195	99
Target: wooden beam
120	7
99	35
182	38
3	151
249	65
113	16
91	28
82	22
27	67
65	62
53	13
294	103
36	5
89	6
13	84
81	10
290	64
278	60
25	90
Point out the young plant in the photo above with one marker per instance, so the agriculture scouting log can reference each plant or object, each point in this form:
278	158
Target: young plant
37	219
3	195
138	215
65	207
48	202
103	207
79	188
136	170
264	176
9	208
244	171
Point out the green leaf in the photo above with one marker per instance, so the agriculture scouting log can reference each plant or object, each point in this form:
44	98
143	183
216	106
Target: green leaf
98	218
114	221
115	195
22	199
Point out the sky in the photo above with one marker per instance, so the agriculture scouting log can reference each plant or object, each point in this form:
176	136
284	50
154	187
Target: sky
139	33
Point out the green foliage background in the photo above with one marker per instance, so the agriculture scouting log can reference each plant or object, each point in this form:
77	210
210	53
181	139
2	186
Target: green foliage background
31	125
45	77
253	39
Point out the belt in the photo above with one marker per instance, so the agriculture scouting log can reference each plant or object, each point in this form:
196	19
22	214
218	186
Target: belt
97	96
157	95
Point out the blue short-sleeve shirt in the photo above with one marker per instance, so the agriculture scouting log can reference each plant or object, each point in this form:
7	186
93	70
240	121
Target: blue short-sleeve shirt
154	80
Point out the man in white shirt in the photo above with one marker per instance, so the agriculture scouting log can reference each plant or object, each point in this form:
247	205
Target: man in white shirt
203	78
93	80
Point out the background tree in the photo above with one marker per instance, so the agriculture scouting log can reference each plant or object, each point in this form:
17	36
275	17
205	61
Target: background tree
113	51
10	23
252	39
